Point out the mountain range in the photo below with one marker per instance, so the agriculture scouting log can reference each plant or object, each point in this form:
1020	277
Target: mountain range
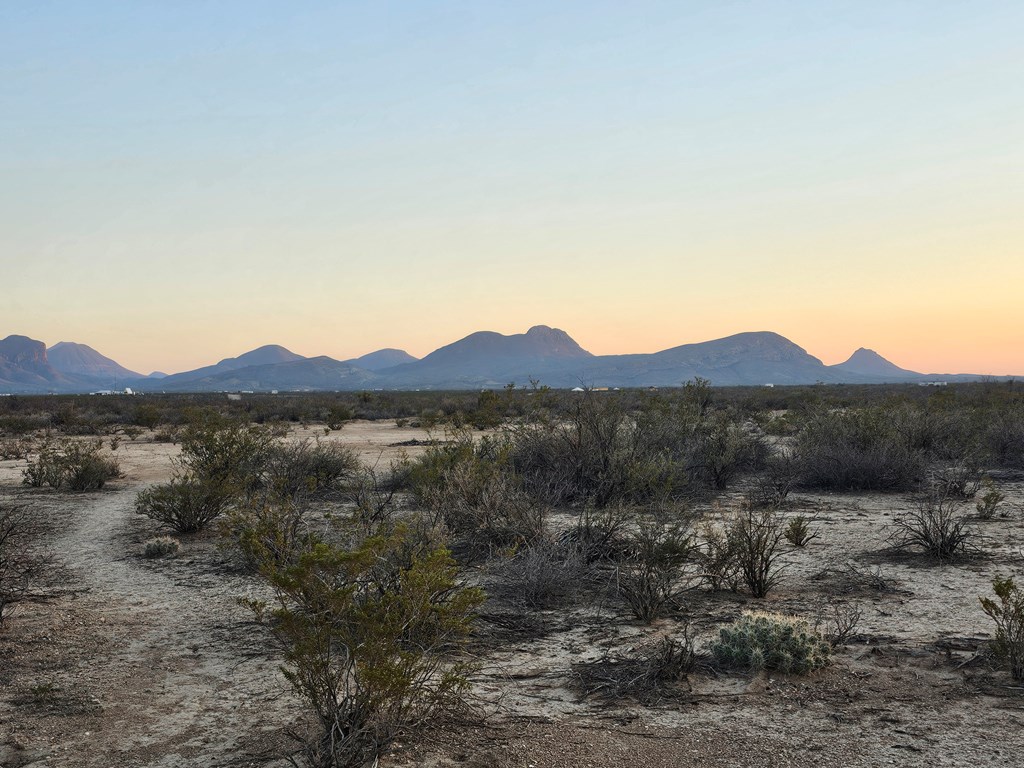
479	361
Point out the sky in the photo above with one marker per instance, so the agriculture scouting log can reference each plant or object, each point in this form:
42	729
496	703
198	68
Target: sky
182	182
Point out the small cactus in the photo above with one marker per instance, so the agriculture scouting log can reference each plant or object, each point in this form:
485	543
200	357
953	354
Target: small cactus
162	546
762	640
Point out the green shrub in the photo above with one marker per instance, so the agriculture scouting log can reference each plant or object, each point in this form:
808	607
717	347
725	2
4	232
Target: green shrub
184	505
652	575
371	636
990	500
858	450
717	556
75	464
1008	614
798	531
161	546
231	455
308	468
771	641
599	455
472	489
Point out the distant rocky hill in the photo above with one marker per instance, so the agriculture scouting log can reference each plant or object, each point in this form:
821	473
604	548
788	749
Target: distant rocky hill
381	359
81	359
24	367
481	360
867	362
486	358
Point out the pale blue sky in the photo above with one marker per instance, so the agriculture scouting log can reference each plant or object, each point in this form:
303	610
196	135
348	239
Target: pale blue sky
338	177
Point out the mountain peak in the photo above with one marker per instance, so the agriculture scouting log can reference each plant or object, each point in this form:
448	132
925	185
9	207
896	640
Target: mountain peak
81	359
868	362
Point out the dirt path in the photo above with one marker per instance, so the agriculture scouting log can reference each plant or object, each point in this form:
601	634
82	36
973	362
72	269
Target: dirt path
157	664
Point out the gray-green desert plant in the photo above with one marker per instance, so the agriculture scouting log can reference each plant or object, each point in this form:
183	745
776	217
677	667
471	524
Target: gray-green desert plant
1008	614
771	641
799	532
161	546
988	504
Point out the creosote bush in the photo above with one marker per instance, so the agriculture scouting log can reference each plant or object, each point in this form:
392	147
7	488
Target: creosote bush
184	505
1008	614
858	450
652	575
473	491
222	463
771	641
78	465
308	468
161	546
989	501
371	637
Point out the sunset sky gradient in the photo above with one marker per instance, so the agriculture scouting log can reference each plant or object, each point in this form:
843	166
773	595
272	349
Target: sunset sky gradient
182	182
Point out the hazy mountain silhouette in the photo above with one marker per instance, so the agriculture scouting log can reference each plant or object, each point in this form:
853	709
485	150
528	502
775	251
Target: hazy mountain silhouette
481	360
69	357
486	358
867	362
304	374
381	359
24	367
745	358
270	354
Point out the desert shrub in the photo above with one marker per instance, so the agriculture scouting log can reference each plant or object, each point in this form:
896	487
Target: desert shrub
308	468
374	493
1008	614
717	556
652	575
988	504
222	463
599	455
146	416
771	641
719	449
16	448
370	636
754	537
268	528
473	490
648	675
961	480
780	474
1003	437
857	450
935	526
233	456
673	658
75	464
542	576
20	560
599	534
185	505
840	621
337	415
798	531
161	546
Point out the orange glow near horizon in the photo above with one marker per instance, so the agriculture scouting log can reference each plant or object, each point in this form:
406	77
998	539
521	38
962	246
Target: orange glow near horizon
338	179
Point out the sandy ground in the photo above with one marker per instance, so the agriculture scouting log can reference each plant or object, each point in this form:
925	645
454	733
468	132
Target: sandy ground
135	662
